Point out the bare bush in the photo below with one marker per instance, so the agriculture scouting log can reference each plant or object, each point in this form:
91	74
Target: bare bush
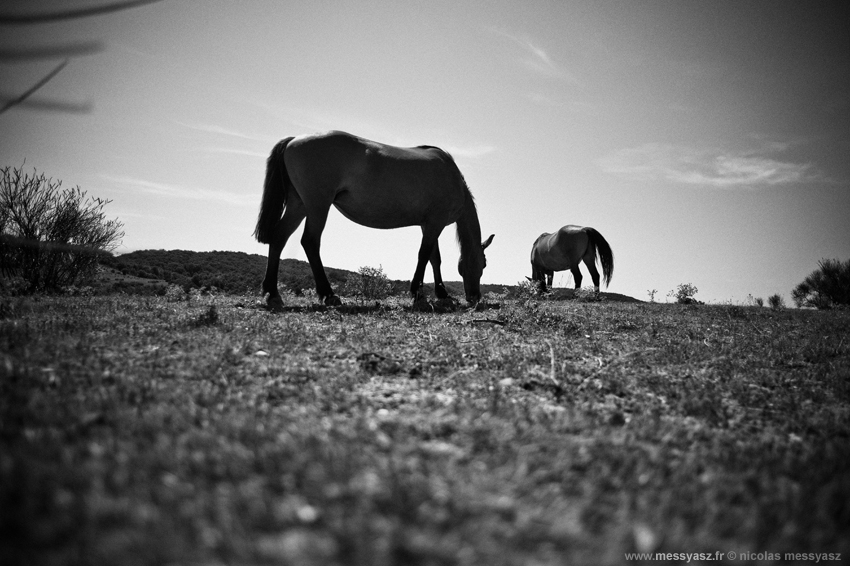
684	294
50	236
369	283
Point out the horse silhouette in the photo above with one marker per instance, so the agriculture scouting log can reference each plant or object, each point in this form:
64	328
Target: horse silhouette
373	184
566	249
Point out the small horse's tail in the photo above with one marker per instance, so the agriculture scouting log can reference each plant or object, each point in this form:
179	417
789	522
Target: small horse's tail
275	190
606	256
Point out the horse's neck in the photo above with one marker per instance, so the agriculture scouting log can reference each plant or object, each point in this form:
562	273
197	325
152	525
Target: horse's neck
468	228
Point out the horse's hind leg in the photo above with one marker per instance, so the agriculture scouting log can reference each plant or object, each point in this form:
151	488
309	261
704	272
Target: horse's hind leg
590	262
576	276
292	217
311	242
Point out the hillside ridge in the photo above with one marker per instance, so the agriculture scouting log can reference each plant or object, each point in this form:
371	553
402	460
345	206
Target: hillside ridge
240	272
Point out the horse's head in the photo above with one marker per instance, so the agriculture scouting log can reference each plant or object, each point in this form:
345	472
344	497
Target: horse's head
537	273
540	276
471	267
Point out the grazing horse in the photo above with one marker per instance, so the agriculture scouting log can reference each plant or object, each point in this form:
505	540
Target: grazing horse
373	184
565	249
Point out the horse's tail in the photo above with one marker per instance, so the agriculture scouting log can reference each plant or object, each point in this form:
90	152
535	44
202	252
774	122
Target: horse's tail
275	190
606	256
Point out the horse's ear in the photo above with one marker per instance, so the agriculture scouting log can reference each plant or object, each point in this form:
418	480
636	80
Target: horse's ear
529	278
487	242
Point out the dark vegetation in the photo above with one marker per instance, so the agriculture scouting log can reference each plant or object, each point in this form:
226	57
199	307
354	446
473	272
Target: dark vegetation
825	288
231	272
238	272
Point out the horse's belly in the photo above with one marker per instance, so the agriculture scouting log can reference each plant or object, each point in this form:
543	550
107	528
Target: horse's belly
377	216
553	258
387	209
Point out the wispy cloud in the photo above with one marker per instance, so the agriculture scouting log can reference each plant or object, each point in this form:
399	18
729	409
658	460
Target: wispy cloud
169	190
222	131
537	59
714	168
235	151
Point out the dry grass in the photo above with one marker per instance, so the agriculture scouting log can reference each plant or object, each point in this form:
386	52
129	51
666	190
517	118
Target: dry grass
144	431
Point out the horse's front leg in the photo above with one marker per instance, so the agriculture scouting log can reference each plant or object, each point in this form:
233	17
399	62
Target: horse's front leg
426	252
439	288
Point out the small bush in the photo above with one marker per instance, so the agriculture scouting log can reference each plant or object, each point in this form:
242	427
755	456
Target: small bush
776	302
175	293
368	284
527	290
826	287
684	294
52	236
588	295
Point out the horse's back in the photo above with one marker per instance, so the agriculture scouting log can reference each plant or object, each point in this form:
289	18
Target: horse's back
570	231
560	250
376	184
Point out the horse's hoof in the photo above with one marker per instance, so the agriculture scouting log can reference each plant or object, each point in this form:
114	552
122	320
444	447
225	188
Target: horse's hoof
333	301
275	303
440	291
421	304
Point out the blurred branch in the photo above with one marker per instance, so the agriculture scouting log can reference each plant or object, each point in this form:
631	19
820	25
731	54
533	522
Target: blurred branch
65	51
26	19
18	100
49	105
51	52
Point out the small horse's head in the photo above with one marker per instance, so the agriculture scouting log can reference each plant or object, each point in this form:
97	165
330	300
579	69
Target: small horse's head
471	267
540	276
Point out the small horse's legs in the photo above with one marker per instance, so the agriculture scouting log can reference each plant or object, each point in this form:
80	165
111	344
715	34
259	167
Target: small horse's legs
430	236
439	287
311	242
283	229
590	262
576	276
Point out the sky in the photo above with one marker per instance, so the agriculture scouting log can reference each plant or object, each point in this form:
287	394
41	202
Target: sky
708	141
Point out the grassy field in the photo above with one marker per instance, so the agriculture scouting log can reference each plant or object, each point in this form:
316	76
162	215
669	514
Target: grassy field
149	430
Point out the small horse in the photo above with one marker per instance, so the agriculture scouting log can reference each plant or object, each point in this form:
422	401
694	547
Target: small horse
373	184
565	249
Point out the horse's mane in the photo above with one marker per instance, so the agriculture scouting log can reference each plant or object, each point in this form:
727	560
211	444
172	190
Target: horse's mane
470	211
468	220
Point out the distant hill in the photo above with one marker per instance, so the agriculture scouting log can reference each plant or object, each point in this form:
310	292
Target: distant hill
234	272
238	272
